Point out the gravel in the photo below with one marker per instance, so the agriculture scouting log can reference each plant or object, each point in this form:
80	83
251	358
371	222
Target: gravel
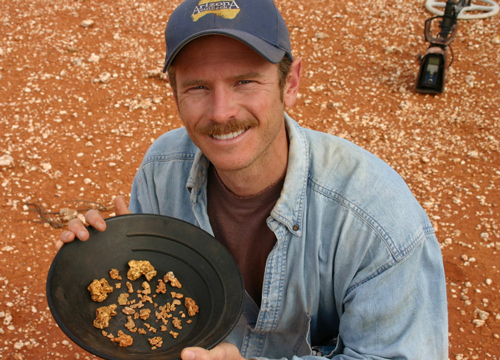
82	97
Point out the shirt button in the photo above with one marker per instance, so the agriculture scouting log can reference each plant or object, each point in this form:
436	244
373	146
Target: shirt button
295	227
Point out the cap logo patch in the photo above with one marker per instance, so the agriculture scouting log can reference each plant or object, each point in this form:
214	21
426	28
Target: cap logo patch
224	9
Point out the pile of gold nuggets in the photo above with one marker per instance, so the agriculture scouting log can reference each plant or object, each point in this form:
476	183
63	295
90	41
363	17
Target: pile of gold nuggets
134	309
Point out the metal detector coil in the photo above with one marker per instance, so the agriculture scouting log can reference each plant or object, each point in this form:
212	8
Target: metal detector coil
476	10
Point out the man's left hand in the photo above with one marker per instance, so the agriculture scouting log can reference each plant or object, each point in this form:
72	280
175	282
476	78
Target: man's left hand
223	351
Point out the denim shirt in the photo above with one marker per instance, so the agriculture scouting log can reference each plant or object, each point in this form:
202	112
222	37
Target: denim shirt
356	272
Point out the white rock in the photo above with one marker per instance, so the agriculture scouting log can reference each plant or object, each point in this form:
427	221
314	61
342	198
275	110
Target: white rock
81	217
145	104
6	161
105	77
478	322
46	166
473	154
87	23
483	315
94	58
7	319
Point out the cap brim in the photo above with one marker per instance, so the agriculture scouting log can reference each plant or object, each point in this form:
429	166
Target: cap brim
263	48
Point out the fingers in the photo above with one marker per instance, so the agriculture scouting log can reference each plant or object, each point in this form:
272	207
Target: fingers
121	207
66	237
77	229
95	219
223	351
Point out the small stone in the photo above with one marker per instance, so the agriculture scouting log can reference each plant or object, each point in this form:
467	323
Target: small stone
496	40
94	58
478	322
87	23
7	319
473	154
6	161
483	315
46	166
145	104
105	77
321	35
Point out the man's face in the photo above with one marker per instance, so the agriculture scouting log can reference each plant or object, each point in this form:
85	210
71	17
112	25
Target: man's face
228	97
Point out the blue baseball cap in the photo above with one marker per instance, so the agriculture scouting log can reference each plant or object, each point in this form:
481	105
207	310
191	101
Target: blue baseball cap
257	23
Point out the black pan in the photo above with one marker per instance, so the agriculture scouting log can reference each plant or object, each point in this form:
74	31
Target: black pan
206	270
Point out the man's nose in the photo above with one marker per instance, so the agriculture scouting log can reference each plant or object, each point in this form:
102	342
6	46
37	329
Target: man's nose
223	106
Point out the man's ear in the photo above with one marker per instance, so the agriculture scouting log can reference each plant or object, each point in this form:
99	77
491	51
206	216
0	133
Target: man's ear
174	94
292	83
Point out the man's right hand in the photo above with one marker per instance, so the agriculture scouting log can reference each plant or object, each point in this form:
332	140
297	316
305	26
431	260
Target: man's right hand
77	229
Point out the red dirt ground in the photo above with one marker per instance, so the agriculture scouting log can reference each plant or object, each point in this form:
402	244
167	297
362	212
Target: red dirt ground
80	105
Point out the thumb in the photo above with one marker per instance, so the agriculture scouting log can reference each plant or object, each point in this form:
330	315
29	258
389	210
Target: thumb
223	351
121	207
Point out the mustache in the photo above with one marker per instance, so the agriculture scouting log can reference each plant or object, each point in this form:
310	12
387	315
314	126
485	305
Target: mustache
227	128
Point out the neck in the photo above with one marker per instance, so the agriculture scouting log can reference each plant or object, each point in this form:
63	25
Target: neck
258	177
248	184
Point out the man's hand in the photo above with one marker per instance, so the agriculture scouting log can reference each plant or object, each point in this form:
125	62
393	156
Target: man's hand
94	218
223	351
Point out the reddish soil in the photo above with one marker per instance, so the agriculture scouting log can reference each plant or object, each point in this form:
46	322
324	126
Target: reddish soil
79	106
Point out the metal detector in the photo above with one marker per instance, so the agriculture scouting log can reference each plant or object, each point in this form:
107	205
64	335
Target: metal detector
432	74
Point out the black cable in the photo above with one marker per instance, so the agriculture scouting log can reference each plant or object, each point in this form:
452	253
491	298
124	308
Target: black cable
452	55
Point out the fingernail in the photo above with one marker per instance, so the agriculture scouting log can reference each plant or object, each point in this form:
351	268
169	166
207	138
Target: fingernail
82	234
100	226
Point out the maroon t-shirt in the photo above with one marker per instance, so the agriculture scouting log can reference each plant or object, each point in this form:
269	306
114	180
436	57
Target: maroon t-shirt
239	223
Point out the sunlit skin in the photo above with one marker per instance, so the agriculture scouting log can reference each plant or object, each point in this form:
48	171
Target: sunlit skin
228	98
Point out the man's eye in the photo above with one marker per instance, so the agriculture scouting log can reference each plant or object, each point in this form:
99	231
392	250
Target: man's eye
244	81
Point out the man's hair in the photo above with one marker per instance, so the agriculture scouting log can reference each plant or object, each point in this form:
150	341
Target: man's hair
283	72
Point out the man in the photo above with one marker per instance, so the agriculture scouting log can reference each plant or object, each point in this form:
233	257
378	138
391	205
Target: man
338	258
